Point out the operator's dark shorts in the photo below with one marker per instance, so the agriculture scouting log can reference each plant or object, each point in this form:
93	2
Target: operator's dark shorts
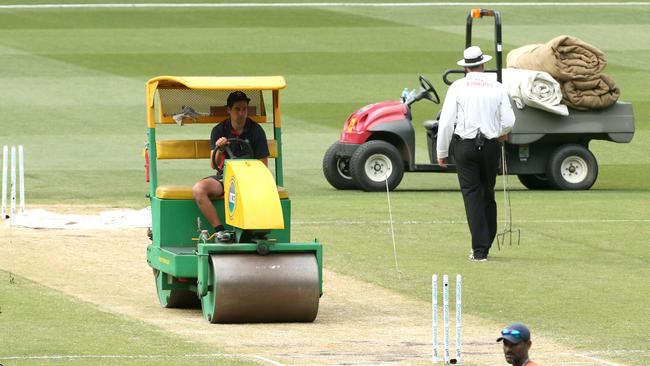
217	177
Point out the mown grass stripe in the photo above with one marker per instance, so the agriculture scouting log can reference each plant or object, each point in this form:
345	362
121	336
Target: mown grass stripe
309	5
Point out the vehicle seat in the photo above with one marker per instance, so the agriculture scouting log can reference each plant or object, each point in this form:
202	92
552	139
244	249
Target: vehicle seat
195	149
430	124
178	192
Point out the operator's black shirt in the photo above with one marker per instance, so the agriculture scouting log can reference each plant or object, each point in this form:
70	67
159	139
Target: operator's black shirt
253	133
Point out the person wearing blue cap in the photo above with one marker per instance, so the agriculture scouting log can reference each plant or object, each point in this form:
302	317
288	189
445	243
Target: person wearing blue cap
516	343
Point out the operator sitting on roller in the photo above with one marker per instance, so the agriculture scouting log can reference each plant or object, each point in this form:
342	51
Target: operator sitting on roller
237	126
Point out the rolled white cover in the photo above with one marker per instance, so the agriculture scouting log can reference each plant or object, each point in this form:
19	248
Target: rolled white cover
537	89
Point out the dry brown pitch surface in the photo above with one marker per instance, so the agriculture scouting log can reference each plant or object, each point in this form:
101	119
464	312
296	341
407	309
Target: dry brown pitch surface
358	323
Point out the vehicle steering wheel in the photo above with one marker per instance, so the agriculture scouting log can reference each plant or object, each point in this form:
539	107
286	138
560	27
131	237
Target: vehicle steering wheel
245	149
428	91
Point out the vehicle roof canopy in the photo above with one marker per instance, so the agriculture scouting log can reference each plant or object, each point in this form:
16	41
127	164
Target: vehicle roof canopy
218	82
207	95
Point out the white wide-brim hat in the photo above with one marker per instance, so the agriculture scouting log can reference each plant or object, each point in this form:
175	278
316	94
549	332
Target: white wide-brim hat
473	56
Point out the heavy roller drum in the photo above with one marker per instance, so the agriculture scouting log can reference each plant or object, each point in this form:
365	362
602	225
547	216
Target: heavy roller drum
248	287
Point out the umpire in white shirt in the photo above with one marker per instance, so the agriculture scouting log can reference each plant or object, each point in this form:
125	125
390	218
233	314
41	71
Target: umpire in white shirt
477	114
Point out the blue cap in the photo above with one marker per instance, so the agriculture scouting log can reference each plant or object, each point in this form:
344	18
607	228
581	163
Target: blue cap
515	333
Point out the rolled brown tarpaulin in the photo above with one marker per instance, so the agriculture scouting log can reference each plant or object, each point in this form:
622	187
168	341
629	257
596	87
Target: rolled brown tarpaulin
597	93
564	57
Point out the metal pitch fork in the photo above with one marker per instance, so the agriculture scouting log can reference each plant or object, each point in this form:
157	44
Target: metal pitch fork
508	231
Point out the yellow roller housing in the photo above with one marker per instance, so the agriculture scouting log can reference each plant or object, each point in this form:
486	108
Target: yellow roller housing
252	200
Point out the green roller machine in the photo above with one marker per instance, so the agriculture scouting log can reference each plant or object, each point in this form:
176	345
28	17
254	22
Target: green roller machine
262	276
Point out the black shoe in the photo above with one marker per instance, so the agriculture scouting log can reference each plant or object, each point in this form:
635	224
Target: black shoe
224	237
476	259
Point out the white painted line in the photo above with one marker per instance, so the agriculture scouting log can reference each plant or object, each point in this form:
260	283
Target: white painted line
313	5
593	359
267	360
136	357
87	357
619	351
84	357
417	222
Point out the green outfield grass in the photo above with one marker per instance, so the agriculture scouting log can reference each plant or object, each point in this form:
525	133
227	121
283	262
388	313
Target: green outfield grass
42	326
73	95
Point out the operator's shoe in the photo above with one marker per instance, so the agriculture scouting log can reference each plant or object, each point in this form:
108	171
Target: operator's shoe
224	237
474	259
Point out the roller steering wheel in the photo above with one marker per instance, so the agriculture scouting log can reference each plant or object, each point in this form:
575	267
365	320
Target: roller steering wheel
428	91
245	149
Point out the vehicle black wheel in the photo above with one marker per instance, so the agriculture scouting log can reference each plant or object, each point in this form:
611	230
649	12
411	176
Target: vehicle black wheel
572	167
534	181
337	169
374	163
182	299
